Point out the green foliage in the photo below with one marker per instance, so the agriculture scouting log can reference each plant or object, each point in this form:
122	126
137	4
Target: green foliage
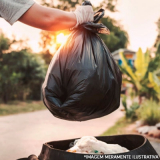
21	75
118	38
130	112
149	112
144	76
108	5
158	36
47	56
154	62
118	128
15	107
4	44
68	5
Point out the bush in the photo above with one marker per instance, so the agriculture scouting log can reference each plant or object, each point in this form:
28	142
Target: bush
21	76
130	112
149	112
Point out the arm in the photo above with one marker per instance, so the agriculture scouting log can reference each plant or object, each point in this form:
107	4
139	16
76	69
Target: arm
48	18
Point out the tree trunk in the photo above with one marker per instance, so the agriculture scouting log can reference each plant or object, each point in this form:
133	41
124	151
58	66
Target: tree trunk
140	100
1	56
5	98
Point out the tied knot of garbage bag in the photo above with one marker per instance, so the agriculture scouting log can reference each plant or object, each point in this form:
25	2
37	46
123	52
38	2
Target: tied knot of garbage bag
94	26
83	81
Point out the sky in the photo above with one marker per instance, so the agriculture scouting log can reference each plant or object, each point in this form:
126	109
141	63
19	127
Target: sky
138	18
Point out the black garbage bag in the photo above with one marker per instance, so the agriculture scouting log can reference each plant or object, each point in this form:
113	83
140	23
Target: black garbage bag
83	81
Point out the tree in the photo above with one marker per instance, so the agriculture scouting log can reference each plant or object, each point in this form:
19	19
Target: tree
6	44
69	5
47	57
117	39
157	42
21	75
21	72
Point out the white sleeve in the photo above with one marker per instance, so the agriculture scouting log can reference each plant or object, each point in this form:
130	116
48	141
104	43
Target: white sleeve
12	10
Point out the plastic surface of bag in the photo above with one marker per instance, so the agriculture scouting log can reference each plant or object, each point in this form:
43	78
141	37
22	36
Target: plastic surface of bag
91	145
83	81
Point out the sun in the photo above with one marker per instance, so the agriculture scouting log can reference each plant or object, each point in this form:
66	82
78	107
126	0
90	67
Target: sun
61	38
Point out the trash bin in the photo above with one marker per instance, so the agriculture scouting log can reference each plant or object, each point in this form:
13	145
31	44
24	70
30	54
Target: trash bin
138	145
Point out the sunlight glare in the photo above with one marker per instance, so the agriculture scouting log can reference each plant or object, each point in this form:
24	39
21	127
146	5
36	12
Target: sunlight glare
61	38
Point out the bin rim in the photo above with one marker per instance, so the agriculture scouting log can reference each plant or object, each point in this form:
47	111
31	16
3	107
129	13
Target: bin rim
122	135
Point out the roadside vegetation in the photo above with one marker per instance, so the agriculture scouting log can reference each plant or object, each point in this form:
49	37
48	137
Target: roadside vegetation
15	107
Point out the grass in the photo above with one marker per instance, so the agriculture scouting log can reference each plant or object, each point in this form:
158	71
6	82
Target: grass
15	107
118	128
149	112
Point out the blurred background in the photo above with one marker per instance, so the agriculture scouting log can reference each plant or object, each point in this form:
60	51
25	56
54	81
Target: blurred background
26	52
